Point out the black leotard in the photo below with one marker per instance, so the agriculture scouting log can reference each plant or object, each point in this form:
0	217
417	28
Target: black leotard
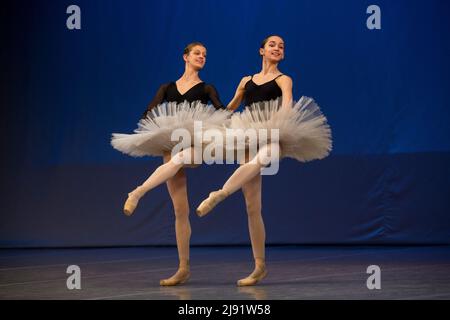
200	92
264	92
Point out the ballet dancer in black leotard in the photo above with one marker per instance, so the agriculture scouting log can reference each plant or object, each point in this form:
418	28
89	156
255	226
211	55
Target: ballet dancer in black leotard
154	138
303	135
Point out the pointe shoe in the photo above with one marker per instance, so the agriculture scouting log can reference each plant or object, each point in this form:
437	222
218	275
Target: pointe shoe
208	204
254	278
178	278
130	204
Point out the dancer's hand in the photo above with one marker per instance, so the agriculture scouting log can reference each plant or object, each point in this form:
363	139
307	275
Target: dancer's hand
230	109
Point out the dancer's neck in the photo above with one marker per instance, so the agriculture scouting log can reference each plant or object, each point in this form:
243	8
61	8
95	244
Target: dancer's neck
269	68
190	75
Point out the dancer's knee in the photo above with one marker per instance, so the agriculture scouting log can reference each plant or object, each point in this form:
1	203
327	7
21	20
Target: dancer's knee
188	157
178	159
181	210
268	153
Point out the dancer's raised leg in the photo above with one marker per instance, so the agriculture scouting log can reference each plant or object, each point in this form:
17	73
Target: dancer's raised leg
241	176
163	173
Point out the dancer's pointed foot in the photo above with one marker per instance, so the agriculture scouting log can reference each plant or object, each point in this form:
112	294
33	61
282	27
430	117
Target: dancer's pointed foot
208	204
257	275
181	276
130	204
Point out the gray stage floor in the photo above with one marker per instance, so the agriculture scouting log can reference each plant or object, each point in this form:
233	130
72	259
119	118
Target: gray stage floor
294	273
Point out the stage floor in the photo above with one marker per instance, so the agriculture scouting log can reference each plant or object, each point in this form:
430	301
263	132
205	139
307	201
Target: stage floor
295	272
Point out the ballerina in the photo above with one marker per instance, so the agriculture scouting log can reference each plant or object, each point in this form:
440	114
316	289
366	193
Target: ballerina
303	135
185	102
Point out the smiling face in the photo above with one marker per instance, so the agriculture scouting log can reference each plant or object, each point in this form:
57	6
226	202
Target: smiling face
272	49
196	57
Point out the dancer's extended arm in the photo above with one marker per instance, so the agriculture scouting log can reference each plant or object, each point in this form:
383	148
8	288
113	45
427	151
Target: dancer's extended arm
239	95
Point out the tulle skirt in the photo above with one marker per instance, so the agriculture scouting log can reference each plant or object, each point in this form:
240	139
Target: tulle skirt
153	137
303	131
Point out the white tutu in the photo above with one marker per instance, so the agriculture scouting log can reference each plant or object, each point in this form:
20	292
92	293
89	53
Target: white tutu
153	135
304	133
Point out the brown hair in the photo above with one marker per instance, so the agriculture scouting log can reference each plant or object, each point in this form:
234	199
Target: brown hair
263	43
192	45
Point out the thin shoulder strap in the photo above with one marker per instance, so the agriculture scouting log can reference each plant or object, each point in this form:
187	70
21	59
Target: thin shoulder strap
278	76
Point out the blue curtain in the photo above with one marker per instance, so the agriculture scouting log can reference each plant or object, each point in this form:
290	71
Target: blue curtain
384	92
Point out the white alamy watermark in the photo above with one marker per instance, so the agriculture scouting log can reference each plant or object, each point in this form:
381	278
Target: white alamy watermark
74	280
73	21
229	146
374	280
373	22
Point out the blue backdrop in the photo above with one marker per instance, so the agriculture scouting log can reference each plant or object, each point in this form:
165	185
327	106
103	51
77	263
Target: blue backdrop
385	93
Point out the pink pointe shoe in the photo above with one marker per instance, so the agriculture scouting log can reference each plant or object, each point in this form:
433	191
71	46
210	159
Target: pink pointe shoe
208	204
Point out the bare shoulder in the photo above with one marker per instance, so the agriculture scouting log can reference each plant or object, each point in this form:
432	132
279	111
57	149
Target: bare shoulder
284	80
244	80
